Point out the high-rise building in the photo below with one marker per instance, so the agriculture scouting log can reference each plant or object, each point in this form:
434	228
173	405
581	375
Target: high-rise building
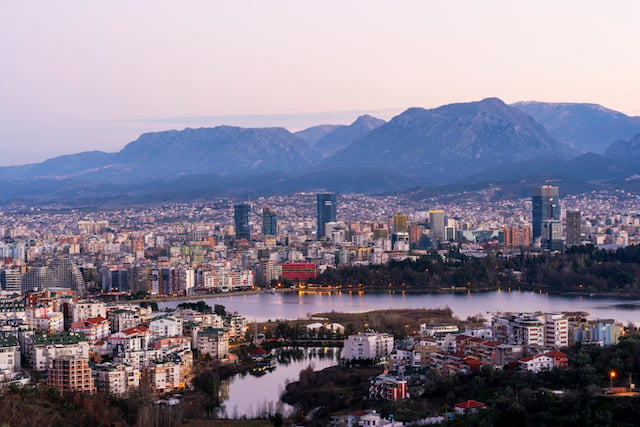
269	222
513	237
551	237
327	211
400	223
415	233
574	230
241	218
11	280
436	225
70	374
545	207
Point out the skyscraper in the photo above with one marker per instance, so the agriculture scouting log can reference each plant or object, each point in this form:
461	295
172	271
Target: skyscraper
545	207
327	211
574	231
241	218
436	224
269	222
400	223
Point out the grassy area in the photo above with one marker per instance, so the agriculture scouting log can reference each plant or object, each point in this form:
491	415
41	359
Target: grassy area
400	321
407	320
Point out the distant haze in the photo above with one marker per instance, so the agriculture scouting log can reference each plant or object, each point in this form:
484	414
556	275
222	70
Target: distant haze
80	75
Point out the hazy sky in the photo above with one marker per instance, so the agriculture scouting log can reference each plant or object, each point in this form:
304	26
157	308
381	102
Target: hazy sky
85	75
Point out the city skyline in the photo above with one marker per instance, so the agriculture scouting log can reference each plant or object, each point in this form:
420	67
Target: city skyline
93	77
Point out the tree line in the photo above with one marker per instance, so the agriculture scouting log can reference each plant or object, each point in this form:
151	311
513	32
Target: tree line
579	269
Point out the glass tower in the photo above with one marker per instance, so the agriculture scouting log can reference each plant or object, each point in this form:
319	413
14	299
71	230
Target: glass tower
327	211
546	207
241	218
269	222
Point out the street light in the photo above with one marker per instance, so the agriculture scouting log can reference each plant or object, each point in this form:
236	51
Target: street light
612	375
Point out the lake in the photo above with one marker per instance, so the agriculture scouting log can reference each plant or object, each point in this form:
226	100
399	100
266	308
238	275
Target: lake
248	395
296	305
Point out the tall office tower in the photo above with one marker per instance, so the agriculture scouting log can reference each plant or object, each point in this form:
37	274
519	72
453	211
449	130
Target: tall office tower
436	224
574	230
546	207
241	218
400	223
269	222
327	211
551	237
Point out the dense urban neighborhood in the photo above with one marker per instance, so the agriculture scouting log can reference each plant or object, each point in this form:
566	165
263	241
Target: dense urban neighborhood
80	292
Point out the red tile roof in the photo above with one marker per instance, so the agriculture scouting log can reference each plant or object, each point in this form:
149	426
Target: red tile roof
556	354
470	404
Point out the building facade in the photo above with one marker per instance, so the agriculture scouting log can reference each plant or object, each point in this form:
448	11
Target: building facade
327	211
269	222
545	204
241	220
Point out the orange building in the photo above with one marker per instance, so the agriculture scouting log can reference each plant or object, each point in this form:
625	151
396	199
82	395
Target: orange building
517	236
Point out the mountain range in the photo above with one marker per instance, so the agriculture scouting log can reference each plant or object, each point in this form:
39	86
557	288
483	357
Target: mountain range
472	143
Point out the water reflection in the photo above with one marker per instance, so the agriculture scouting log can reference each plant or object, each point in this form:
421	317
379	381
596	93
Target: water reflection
252	396
263	307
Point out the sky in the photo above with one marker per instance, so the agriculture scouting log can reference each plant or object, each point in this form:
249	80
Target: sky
80	75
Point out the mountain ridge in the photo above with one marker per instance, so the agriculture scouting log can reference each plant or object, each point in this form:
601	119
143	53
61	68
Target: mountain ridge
454	144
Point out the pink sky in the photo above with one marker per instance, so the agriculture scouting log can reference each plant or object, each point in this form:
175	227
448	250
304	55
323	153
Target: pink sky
82	75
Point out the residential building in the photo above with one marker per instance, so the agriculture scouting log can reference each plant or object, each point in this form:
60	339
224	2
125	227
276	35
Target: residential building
298	272
385	387
70	374
164	376
574	228
166	327
9	357
515	237
41	349
11	280
368	345
80	311
94	328
116	379
213	341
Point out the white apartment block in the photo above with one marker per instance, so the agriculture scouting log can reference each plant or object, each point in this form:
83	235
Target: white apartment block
214	342
368	345
164	376
94	328
80	311
41	350
556	330
9	357
44	319
166	327
532	329
118	379
237	326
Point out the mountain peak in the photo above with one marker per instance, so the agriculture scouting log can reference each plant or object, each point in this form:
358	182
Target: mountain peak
453	138
367	120
588	127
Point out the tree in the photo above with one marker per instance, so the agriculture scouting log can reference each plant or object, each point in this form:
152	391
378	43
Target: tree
220	310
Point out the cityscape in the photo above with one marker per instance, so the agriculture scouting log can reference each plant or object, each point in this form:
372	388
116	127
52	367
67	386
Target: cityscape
319	214
81	290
